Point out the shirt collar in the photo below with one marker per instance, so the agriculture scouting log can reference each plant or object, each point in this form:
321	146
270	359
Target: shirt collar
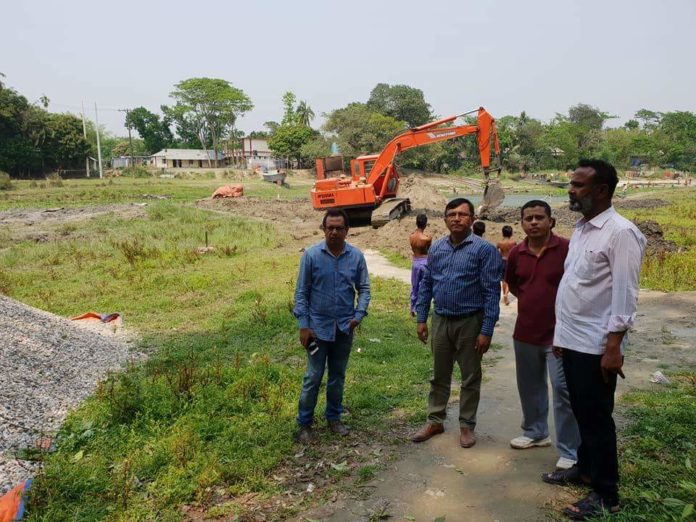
325	248
599	220
553	242
468	239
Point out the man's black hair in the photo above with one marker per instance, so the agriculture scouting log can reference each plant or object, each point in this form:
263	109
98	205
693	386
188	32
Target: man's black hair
421	220
507	231
536	203
479	228
456	202
336	212
605	173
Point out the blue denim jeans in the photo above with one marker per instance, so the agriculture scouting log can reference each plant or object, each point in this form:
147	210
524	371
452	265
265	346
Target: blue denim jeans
334	354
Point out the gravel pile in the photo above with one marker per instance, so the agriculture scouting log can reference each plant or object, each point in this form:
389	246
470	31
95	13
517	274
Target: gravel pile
48	365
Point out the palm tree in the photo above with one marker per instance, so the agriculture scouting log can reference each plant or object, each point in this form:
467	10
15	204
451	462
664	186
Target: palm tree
305	114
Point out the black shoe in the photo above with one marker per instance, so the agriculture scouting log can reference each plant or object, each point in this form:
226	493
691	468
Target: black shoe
563	477
337	427
304	435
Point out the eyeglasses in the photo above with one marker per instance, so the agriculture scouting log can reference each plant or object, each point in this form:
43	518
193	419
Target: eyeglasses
335	229
452	215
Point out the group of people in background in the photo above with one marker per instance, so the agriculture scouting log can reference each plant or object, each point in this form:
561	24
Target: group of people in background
576	300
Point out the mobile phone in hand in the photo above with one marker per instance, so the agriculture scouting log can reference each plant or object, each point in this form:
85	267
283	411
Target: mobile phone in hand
312	347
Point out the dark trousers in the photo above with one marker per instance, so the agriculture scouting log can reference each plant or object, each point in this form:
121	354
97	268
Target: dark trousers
592	401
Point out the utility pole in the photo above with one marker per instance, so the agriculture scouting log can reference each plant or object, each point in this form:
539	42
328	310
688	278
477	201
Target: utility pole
130	139
84	133
96	118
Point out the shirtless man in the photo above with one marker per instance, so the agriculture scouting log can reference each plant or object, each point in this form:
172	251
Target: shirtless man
420	244
504	248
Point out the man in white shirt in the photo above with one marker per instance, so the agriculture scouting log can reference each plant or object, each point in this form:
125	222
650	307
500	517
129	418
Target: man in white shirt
595	307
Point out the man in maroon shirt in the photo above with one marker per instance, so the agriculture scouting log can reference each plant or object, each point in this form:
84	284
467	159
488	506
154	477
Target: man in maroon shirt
534	271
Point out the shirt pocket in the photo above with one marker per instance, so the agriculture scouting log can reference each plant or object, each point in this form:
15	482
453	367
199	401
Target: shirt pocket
590	264
347	275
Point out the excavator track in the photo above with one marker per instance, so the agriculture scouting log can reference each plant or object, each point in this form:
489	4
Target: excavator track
389	210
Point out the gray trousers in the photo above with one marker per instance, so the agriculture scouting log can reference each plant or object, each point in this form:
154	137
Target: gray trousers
531	362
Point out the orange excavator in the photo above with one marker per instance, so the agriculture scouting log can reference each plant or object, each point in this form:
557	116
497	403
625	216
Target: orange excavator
370	189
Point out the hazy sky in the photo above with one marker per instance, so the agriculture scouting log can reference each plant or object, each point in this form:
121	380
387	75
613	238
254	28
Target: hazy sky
509	56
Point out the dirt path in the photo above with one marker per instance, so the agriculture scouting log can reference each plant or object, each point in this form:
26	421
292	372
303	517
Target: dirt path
492	482
379	266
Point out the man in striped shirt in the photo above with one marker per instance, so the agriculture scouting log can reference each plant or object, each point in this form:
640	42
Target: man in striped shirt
463	277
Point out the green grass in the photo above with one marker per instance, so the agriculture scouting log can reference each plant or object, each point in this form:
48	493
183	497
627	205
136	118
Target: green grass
396	258
671	272
658	453
82	192
212	411
209	416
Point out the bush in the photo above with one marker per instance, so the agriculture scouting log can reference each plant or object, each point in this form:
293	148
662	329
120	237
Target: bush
54	180
137	171
5	181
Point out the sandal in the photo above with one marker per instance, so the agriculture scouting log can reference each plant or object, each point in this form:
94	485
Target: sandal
563	477
590	506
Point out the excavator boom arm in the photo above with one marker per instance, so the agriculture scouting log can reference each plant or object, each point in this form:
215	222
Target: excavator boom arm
433	133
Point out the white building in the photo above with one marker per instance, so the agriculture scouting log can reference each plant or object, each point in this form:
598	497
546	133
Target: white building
252	153
187	158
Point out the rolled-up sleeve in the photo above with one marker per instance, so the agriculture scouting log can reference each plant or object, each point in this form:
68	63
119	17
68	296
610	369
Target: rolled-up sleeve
302	290
363	288
625	259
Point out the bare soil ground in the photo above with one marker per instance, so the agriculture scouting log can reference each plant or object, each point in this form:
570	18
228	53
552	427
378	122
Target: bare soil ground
41	225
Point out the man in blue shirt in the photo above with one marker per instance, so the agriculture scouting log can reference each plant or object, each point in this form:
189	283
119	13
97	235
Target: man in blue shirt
331	272
463	277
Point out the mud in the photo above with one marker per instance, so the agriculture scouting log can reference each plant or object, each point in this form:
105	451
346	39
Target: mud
657	244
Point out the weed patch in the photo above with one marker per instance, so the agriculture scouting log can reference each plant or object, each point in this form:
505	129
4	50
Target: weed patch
658	453
210	415
5	181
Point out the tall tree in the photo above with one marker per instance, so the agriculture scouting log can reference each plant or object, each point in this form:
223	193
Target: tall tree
360	130
401	102
154	132
304	114
289	113
650	119
588	117
586	123
287	141
65	145
271	126
209	107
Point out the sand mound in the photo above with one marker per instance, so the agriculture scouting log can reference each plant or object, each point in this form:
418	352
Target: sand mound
423	196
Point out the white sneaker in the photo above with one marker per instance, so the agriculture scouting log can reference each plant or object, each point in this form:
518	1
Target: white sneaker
564	463
523	442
